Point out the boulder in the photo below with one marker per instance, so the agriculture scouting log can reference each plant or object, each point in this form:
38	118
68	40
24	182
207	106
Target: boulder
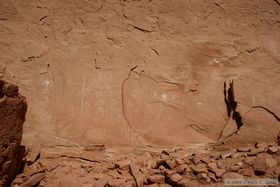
12	116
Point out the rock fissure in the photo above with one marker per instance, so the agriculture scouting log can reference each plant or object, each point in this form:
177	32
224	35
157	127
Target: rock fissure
231	106
269	111
277	117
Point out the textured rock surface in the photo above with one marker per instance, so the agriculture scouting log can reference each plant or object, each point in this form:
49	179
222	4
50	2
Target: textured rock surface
12	115
125	72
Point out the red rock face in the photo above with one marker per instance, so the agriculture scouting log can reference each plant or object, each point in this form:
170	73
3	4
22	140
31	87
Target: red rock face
12	116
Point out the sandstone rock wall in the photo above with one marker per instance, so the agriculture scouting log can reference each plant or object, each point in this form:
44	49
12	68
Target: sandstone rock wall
142	72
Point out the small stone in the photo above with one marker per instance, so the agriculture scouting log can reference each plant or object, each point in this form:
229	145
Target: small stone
233	168
218	172
169	173
195	160
203	178
273	149
179	161
261	145
175	178
248	172
162	169
205	159
171	163
187	160
123	165
212	165
226	154
199	168
156	179
237	155
181	168
243	149
254	152
249	160
152	164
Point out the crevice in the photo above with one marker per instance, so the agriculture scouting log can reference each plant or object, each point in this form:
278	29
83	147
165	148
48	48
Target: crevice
142	73
122	102
253	50
269	111
231	105
76	157
142	29
277	1
155	51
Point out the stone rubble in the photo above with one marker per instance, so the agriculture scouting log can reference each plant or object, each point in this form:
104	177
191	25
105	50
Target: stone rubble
169	168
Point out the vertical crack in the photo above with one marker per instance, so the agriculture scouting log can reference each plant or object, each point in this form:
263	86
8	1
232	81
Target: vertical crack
231	105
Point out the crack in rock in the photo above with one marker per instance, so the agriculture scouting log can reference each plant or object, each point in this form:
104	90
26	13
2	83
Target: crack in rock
231	105
277	117
137	135
269	111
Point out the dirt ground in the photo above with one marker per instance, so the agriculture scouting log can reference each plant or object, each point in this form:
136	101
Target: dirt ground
142	75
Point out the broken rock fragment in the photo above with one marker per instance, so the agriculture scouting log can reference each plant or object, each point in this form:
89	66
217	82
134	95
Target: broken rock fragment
138	176
34	154
156	179
175	178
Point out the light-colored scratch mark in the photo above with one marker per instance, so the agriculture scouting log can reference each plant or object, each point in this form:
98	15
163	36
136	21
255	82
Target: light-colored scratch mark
83	92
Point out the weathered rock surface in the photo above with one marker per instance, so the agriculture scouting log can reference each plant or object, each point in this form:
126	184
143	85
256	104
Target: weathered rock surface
12	116
149	65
